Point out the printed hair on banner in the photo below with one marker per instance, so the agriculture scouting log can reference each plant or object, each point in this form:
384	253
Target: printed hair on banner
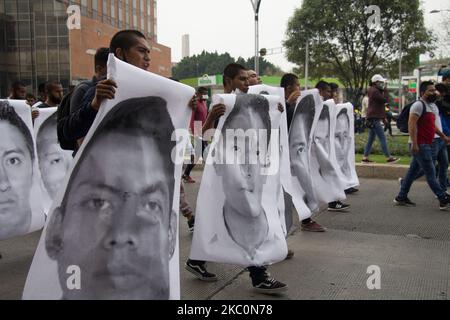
303	124
324	172
20	206
285	172
343	128
237	217
112	230
54	162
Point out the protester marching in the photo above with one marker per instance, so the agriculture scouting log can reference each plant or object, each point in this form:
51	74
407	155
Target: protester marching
104	170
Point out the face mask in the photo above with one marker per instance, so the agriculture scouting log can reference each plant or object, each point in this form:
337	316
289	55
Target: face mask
432	98
380	86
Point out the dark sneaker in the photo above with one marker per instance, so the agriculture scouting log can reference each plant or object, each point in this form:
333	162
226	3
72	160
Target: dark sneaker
270	286
392	160
188	179
312	226
367	161
350	190
404	202
290	254
444	204
191	222
200	272
338	206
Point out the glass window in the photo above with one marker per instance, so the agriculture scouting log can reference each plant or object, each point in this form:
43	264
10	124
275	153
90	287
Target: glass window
52	40
41	43
22	6
120	12
148	8
39	30
63	56
59	6
113	9
134	4
47	6
64	41
62	28
37	5
11	7
104	9
134	20
94	9
24	30
2	7
41	59
23	16
25	43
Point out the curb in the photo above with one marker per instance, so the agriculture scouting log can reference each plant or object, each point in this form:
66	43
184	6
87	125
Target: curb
371	171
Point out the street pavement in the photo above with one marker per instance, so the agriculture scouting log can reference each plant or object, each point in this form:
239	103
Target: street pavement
410	246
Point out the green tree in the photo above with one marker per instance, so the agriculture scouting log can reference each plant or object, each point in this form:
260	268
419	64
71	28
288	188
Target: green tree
343	44
213	63
203	63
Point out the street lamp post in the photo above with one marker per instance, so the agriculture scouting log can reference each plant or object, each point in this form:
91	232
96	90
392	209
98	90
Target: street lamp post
306	65
256	4
400	106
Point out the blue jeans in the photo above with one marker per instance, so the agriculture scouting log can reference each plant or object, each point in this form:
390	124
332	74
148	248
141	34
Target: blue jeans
379	131
439	154
423	160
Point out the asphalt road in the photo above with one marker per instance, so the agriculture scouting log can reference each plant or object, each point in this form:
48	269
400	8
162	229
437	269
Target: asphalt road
410	247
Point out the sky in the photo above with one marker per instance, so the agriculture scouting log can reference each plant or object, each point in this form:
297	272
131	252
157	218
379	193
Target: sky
228	25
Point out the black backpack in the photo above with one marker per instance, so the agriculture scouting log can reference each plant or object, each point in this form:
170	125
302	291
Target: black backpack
403	118
62	115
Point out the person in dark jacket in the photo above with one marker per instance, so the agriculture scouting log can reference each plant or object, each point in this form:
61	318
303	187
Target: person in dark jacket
378	98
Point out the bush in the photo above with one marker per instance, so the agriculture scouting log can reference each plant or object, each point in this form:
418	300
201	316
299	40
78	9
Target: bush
397	145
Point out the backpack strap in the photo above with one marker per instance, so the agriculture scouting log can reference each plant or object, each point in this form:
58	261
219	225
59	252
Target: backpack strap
424	110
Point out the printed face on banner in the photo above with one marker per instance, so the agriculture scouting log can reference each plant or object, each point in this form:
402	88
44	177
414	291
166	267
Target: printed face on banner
242	170
53	161
299	142
321	143
343	141
16	173
116	220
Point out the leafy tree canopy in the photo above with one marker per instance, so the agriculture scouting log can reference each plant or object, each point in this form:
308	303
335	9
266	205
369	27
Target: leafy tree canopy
213	63
343	42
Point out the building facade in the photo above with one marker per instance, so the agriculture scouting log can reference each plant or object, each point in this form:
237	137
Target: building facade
36	44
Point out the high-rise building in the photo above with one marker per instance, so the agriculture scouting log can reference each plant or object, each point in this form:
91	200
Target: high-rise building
36	44
185	46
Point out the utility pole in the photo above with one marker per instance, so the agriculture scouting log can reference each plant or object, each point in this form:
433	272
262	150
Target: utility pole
400	76
306	65
256	4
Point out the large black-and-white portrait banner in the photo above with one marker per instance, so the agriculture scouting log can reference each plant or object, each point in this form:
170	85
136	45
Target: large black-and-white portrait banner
237	216
54	162
21	208
343	130
112	229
